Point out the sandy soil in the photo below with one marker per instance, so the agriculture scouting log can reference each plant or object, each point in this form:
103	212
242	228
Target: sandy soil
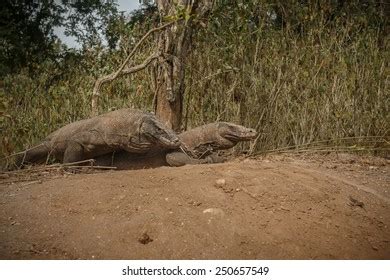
275	208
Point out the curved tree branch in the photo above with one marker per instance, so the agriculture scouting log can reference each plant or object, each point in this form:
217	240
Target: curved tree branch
141	66
121	70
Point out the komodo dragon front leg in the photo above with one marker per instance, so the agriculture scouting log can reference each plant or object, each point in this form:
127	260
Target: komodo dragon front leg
80	148
74	152
179	159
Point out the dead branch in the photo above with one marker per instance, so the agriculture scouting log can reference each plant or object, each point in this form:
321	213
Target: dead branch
141	66
59	166
93	167
108	78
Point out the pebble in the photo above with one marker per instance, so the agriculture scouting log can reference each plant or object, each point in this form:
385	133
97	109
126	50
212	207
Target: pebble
145	238
220	183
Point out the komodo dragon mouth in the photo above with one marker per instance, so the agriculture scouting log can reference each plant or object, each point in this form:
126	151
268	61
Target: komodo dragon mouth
168	142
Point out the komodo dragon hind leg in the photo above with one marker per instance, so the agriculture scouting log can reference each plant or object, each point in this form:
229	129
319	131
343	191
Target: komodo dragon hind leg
74	152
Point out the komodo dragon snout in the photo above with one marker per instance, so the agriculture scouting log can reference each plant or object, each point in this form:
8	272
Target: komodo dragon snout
159	134
236	133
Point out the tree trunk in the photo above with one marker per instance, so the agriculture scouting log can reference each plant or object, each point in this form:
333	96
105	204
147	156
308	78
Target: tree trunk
174	45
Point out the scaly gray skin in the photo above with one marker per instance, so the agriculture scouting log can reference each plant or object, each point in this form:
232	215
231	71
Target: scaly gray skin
133	131
199	145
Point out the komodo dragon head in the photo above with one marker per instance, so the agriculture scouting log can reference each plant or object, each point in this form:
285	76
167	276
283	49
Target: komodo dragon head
203	140
157	133
235	133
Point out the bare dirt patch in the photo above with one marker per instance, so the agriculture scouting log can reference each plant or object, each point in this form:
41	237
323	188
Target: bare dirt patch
274	208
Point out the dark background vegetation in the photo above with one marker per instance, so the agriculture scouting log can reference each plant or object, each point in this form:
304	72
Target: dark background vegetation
306	74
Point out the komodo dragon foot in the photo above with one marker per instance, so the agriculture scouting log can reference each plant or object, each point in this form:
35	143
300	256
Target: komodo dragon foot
179	159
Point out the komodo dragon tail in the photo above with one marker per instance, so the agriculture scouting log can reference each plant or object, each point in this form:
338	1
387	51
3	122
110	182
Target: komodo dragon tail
35	154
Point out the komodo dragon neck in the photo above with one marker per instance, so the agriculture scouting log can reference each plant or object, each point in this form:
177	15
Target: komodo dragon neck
202	140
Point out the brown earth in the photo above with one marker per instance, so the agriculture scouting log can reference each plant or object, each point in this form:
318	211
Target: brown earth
275	208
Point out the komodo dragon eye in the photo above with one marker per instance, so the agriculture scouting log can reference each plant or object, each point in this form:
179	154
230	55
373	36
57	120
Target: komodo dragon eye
151	128
158	130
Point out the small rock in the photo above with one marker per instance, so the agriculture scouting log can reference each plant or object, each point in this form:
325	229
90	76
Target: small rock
354	202
220	183
145	239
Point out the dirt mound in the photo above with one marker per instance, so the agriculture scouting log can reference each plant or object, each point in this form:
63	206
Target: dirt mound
253	209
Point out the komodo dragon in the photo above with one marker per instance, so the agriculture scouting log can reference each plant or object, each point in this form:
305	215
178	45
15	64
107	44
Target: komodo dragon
201	142
129	130
197	146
